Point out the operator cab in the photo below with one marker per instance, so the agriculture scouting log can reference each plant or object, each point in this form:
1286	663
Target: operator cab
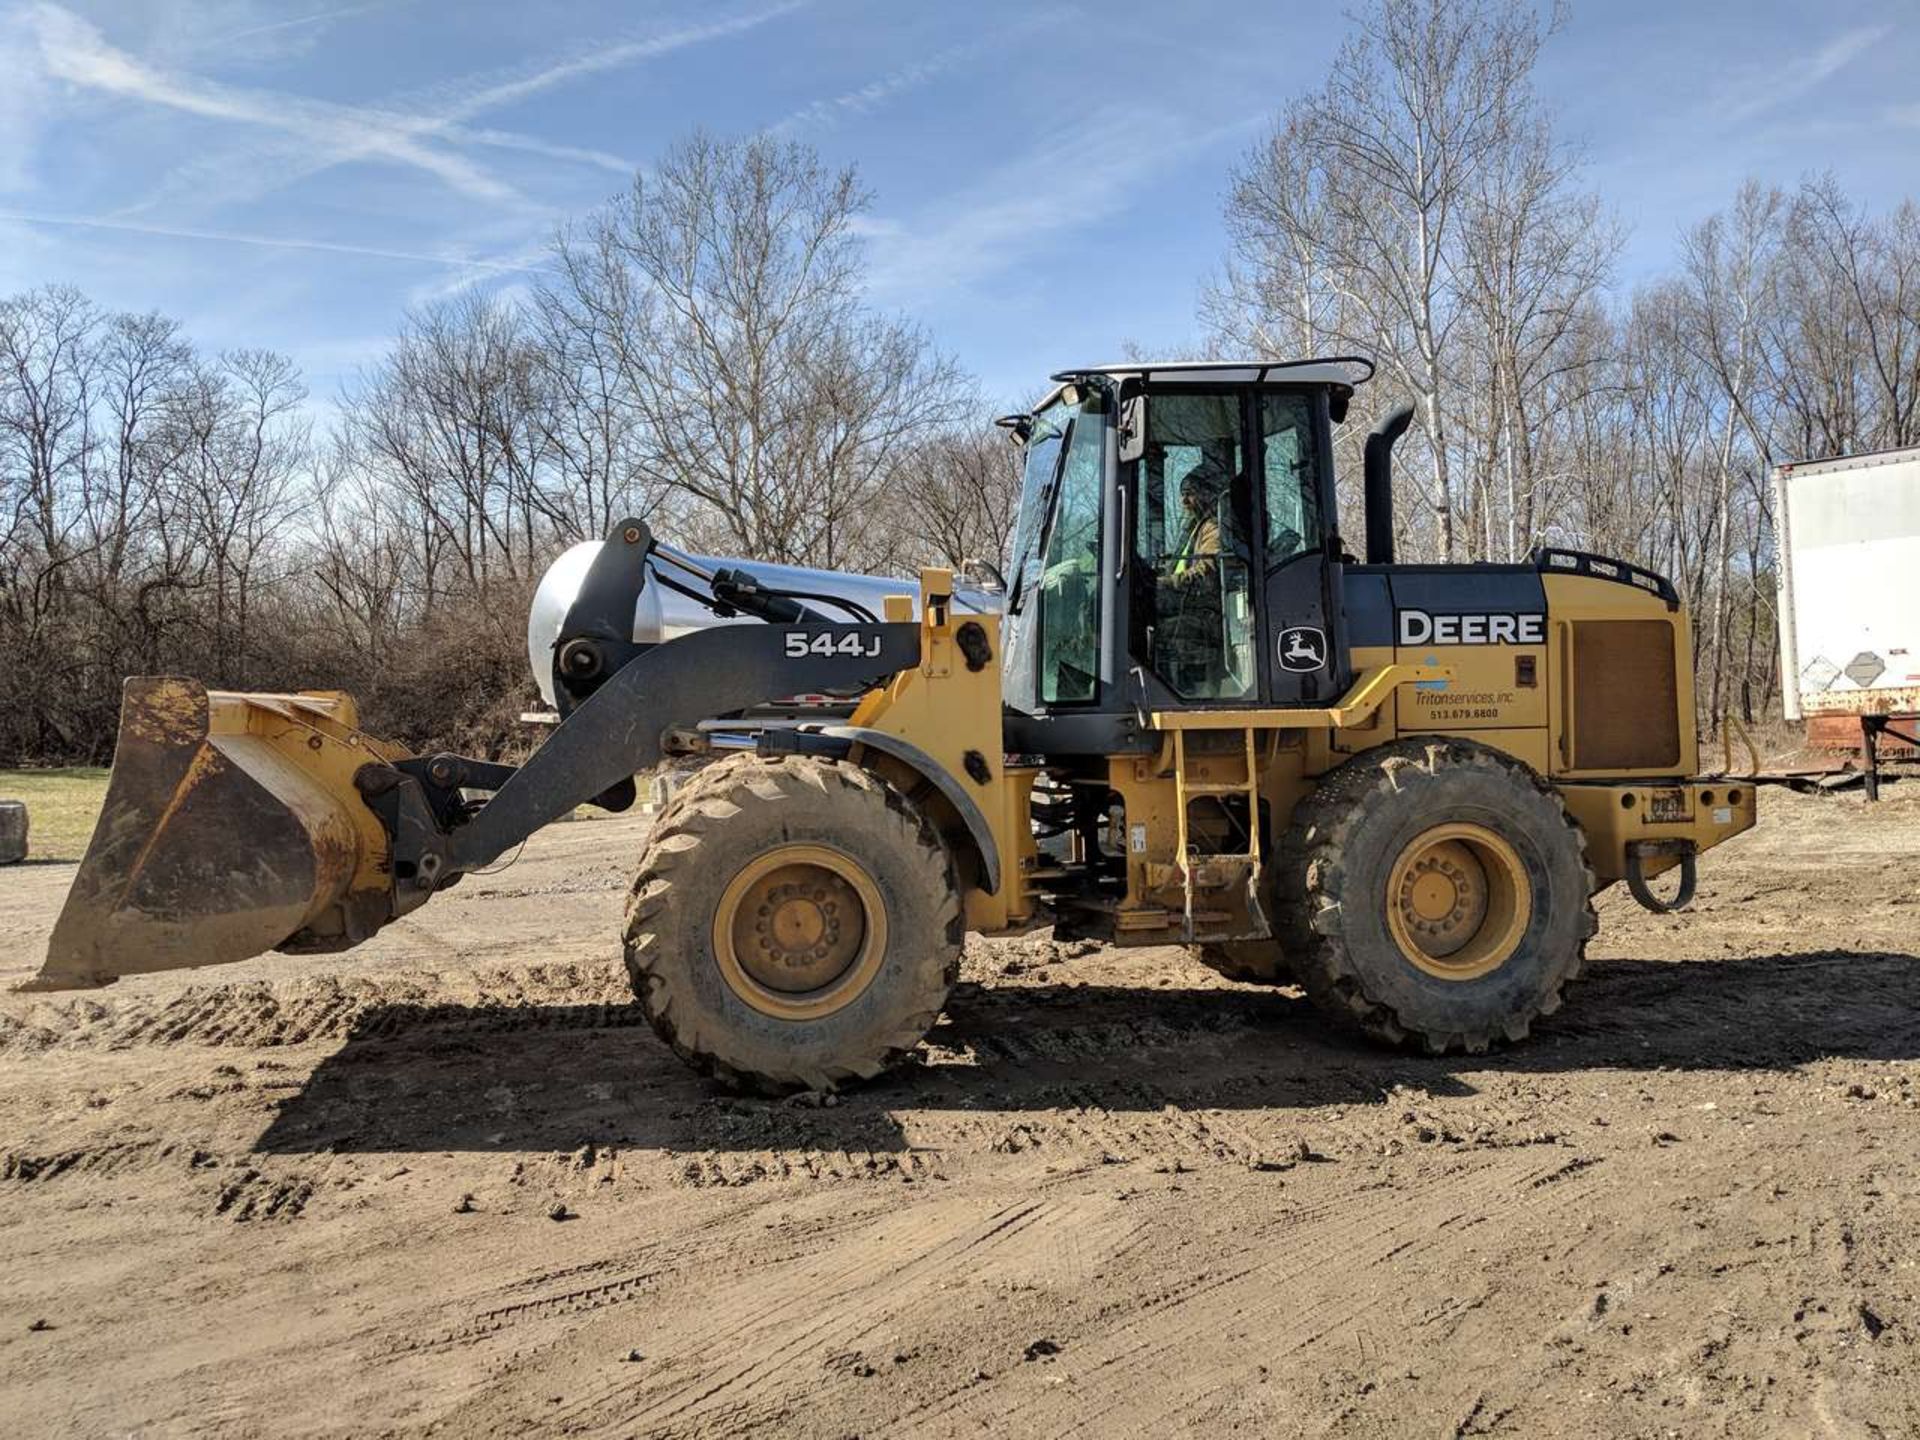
1176	548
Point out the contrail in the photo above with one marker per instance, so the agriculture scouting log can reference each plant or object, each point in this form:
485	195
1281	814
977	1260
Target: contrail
267	242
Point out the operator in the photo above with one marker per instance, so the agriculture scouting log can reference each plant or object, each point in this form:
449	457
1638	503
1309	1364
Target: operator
1196	563
1192	644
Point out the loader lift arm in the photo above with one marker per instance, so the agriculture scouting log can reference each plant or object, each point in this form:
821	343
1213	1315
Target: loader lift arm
620	699
617	731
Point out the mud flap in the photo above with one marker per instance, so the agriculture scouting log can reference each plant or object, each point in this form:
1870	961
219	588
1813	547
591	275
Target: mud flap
229	828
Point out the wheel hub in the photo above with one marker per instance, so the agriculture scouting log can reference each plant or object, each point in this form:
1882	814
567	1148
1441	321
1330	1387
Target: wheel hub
1458	901
806	928
1443	897
800	932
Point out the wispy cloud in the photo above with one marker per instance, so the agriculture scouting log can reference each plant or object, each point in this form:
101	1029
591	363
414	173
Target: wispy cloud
442	112
469	99
501	266
23	104
320	135
530	145
74	50
521	260
299	22
865	99
869	97
1075	179
1799	74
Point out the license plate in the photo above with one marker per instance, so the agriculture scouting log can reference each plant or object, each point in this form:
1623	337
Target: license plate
1665	805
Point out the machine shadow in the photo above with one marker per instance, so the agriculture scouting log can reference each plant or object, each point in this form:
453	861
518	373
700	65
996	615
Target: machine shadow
556	1078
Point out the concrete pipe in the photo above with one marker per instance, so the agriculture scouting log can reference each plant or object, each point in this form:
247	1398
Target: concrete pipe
13	831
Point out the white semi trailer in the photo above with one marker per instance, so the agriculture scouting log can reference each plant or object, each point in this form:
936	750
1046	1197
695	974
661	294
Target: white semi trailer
1849	531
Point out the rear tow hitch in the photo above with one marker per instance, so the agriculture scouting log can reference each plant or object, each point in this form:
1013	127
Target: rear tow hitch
1637	875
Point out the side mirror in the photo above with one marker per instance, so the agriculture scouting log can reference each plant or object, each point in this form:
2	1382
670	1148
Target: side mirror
1133	430
983	575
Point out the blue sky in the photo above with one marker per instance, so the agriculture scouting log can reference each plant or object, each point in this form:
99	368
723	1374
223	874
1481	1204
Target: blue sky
1047	176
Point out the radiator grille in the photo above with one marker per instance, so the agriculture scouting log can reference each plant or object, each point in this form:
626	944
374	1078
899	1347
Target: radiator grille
1625	709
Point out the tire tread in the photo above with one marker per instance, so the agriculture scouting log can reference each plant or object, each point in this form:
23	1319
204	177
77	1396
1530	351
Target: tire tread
1313	873
656	912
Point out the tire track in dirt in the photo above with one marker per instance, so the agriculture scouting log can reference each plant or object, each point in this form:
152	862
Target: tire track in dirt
254	1195
785	1325
823	1315
234	1187
31	1167
1070	1042
1297	1294
746	1167
578	1300
609	1281
263	1014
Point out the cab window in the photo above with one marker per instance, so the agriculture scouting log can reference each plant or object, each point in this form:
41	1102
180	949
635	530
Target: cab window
1070	568
1192	531
1289	480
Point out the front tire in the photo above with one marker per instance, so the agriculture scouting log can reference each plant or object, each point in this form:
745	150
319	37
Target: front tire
795	925
1437	891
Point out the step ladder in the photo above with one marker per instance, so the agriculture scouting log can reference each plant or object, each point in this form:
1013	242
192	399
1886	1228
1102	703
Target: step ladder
1218	871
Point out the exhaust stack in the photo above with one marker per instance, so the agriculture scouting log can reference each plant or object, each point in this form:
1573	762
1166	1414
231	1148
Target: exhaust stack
1378	473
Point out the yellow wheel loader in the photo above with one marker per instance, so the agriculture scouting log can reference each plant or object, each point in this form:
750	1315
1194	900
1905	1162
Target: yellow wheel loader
1189	717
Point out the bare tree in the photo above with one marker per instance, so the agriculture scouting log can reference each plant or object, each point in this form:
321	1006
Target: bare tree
1728	287
146	494
725	291
453	421
1534	251
952	497
1279	293
1362	189
583	327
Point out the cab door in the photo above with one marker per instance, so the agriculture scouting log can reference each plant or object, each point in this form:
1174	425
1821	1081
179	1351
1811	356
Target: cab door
1193	605
1304	654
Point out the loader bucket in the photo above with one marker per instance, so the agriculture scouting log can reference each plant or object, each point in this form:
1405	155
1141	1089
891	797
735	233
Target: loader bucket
231	827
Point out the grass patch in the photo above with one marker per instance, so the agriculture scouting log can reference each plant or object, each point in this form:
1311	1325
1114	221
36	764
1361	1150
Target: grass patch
61	807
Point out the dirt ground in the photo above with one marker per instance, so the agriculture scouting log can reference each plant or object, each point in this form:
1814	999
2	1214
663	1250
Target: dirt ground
1119	1197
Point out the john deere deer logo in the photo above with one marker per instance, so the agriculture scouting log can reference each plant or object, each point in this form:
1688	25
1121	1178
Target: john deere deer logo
1302	648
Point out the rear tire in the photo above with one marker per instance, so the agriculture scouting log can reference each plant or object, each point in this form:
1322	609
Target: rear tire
1437	891
795	925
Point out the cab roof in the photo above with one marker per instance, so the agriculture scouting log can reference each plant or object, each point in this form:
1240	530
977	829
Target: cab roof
1339	373
1342	371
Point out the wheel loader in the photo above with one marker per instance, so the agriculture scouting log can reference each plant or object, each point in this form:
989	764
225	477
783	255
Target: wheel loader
1189	716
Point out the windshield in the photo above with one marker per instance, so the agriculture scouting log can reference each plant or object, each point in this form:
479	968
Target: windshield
1053	590
1043	459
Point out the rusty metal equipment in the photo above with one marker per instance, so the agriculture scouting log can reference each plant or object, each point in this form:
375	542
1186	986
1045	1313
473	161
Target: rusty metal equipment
1875	731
